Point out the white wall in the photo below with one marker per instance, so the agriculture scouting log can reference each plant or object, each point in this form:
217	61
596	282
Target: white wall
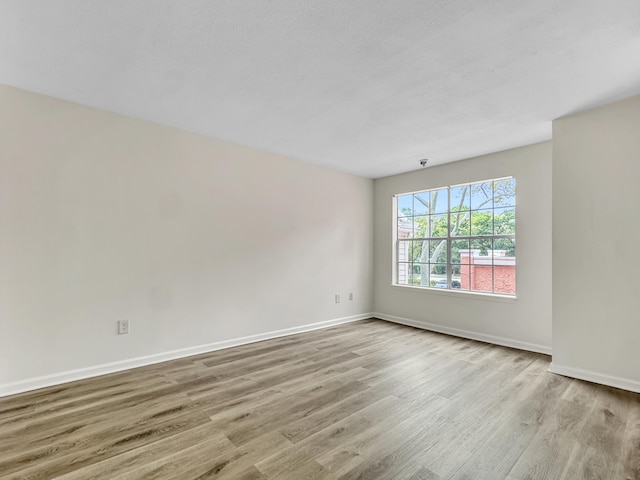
103	218
524	322
596	233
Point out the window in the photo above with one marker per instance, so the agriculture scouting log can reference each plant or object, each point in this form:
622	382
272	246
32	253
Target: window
461	237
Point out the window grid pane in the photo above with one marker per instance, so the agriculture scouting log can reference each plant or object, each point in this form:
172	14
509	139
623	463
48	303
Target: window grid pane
460	238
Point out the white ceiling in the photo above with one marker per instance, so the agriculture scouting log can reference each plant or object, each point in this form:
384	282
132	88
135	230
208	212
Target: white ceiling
365	86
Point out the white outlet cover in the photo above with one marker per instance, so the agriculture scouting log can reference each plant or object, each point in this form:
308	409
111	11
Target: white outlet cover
123	327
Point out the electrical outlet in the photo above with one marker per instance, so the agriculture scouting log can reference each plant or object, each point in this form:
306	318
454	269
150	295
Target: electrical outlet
123	327
337	298
350	296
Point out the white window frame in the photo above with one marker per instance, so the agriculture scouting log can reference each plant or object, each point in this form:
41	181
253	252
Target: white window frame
397	242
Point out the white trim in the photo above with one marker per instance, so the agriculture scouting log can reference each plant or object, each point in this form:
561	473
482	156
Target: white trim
596	377
493	297
505	342
82	373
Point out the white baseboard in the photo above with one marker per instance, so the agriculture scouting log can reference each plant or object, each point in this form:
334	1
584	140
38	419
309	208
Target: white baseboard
505	342
80	374
595	377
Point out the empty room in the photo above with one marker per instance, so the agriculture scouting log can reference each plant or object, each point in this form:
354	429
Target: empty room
249	239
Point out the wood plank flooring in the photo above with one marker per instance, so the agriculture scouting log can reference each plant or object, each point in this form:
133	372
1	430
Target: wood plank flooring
366	400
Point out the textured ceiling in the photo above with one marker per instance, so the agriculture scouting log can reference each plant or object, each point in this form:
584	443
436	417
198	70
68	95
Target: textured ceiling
365	86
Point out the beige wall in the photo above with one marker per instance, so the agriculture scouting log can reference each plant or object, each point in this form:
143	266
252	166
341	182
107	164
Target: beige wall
200	242
596	231
524	322
193	240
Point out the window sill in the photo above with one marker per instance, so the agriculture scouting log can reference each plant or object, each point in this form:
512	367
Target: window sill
492	297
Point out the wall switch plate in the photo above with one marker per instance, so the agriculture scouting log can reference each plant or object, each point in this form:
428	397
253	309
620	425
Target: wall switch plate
123	327
337	298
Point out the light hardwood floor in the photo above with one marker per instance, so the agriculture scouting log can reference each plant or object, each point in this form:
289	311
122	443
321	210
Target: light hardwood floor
365	400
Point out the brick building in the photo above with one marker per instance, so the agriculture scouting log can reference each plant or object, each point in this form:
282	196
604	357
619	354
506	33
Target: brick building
479	272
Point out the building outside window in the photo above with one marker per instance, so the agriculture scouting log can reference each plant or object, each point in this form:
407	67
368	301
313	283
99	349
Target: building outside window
460	237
